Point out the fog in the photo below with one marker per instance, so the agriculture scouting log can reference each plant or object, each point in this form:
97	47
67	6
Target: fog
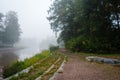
36	33
32	19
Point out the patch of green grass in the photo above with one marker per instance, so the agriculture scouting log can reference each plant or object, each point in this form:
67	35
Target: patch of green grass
20	65
39	69
53	70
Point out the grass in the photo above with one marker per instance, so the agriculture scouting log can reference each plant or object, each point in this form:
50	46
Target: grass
38	69
53	70
20	65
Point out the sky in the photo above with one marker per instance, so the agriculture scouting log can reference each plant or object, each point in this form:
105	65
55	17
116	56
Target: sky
32	16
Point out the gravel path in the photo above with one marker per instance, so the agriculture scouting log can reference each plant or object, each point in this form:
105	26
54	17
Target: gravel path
79	69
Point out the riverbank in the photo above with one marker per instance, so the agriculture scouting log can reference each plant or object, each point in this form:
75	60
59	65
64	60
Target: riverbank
41	66
20	65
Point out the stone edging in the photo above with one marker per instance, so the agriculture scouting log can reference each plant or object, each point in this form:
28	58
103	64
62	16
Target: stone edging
60	70
39	78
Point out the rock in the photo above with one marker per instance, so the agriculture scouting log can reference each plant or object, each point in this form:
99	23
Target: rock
110	61
99	59
116	61
90	58
1	78
104	60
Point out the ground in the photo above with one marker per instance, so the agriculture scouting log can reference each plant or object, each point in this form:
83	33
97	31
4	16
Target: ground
77	68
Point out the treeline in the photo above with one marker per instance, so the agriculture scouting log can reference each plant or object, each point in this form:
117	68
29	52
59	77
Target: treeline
9	29
87	25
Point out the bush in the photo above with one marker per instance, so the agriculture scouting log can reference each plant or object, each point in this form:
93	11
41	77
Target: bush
83	44
53	48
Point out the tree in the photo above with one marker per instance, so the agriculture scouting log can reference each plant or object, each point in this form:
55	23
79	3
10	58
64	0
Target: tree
12	29
1	28
1	15
88	25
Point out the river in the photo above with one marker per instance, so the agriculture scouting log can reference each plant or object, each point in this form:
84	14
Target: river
10	55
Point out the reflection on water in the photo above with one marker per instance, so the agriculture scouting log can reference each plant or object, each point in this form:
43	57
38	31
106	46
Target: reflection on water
26	53
10	55
7	58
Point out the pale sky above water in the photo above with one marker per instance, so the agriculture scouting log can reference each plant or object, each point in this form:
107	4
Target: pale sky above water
32	16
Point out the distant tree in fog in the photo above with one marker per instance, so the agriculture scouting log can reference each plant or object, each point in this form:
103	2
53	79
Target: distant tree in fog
12	28
1	27
1	15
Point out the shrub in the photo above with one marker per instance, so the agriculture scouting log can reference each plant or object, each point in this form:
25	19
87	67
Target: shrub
53	48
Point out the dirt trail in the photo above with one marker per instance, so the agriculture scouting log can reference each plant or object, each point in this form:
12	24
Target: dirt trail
79	69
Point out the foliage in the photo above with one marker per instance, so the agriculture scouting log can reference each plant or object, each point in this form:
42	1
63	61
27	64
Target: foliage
1	26
12	30
9	28
53	48
87	25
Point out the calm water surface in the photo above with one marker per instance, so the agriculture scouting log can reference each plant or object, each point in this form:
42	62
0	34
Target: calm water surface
10	55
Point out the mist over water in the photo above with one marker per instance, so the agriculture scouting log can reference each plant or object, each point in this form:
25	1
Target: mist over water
36	33
32	46
25	48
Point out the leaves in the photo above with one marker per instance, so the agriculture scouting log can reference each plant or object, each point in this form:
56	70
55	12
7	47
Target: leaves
12	29
87	24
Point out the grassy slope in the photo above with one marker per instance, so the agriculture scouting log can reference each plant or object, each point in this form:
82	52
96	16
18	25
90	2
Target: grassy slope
20	65
39	69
